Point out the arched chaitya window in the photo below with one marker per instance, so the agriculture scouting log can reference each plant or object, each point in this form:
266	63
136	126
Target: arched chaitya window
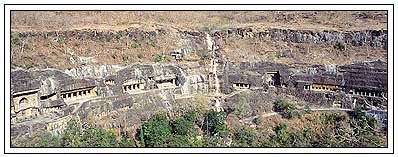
23	102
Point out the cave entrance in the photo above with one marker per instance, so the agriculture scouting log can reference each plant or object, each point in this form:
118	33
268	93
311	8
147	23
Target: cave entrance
369	93
273	78
80	93
166	83
241	86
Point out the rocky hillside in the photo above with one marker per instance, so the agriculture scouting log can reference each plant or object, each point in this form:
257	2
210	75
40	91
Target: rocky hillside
199	79
42	39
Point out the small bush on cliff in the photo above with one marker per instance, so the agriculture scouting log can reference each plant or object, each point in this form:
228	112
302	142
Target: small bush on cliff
118	36
340	46
288	110
160	58
245	137
48	140
282	136
125	57
15	39
242	108
135	45
204	54
94	137
307	108
114	55
213	27
140	55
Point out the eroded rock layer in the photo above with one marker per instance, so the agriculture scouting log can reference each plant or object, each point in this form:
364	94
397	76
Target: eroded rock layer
46	99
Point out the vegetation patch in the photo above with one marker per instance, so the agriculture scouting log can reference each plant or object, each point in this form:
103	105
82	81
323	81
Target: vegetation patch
160	58
125	57
287	109
332	129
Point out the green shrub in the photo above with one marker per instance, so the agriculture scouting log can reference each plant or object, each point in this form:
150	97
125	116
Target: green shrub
214	124
307	109
340	46
186	125
288	110
94	137
242	108
282	136
142	137
125	57
134	45
48	140
63	40
204	54
140	55
245	137
159	58
127	142
15	39
114	56
118	36
157	132
71	135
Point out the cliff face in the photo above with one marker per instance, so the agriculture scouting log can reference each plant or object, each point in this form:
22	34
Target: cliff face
297	85
120	103
76	48
108	78
115	101
88	34
370	38
93	71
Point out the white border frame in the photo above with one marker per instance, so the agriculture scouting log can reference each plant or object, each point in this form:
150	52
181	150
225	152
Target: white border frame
193	150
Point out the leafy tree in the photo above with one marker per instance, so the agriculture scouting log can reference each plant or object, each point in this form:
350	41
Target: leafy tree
94	137
71	135
185	141
214	124
242	108
245	137
288	110
283	106
157	132
213	141
186	125
142	137
49	140
282	136
127	142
